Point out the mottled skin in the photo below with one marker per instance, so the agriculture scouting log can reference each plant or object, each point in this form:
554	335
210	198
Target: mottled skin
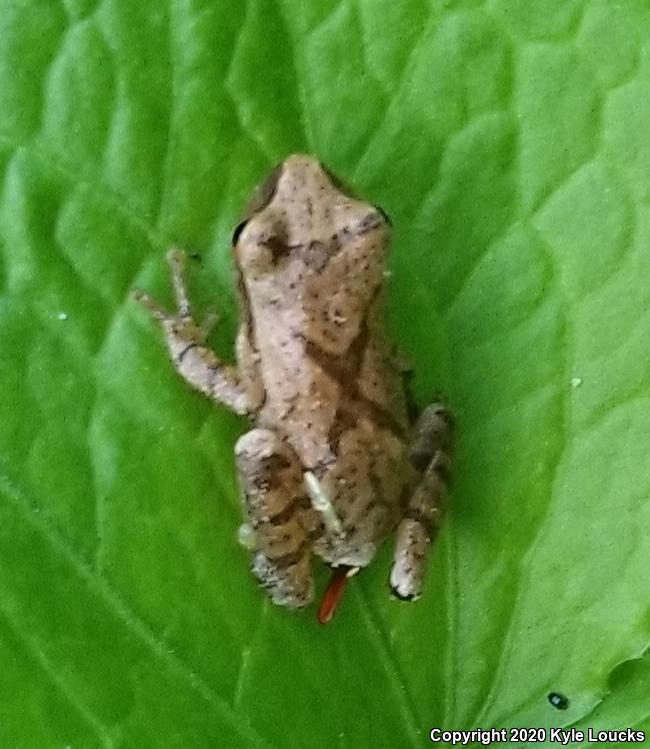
331	466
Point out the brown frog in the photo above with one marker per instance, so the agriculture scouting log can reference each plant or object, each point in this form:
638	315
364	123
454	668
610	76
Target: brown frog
332	465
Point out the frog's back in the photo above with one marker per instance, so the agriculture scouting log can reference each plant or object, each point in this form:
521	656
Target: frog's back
316	392
344	417
312	259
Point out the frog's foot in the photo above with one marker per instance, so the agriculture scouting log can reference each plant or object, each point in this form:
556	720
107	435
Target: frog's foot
181	320
429	453
186	341
278	517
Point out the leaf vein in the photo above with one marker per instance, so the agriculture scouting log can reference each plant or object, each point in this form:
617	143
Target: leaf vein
128	618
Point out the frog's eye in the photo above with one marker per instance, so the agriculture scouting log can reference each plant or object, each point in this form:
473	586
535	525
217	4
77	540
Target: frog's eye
383	213
237	233
261	198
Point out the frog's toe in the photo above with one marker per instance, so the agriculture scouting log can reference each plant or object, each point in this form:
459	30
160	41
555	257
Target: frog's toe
150	304
409	565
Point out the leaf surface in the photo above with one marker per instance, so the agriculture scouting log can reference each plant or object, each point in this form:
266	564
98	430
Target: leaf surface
508	142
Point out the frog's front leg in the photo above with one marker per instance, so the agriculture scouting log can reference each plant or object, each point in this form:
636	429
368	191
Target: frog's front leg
186	341
281	520
429	453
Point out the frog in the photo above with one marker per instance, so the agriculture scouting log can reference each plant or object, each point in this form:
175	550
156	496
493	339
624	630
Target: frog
335	460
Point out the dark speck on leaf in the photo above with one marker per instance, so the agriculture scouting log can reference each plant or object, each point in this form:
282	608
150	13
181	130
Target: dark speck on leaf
559	701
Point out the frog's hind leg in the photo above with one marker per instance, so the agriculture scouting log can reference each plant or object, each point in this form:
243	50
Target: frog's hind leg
280	517
429	453
186	341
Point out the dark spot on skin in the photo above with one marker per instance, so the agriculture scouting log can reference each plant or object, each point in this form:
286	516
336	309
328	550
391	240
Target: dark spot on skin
268	473
262	485
196	256
279	247
316	532
316	256
296	504
293	557
275	463
372	221
558	700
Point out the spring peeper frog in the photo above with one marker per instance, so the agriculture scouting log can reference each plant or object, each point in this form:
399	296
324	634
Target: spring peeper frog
332	464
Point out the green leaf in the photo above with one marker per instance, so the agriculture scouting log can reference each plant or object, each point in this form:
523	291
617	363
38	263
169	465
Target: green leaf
509	143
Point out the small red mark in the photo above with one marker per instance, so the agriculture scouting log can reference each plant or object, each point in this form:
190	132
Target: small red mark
333	593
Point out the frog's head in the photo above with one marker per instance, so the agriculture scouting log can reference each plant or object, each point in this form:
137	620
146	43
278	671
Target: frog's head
303	213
